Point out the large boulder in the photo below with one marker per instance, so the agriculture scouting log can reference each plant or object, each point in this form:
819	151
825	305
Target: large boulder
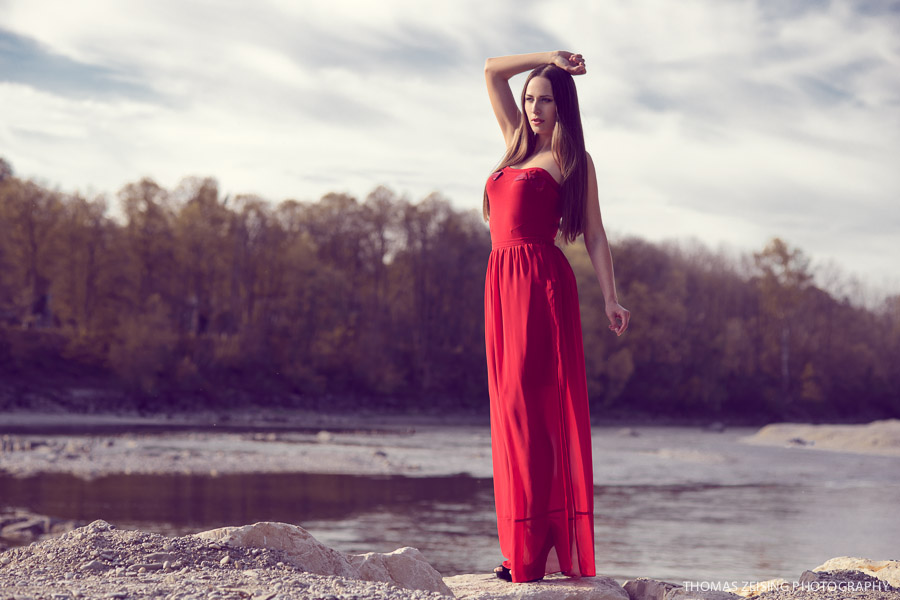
405	567
885	570
300	548
552	587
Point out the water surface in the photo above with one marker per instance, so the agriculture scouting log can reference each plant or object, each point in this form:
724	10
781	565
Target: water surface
671	503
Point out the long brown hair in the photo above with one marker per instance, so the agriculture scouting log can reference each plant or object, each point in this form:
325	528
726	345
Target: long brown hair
567	147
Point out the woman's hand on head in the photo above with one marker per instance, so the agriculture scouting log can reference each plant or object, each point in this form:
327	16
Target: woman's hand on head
618	317
571	63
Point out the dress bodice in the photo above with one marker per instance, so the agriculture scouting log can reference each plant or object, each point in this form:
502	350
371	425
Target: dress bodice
524	204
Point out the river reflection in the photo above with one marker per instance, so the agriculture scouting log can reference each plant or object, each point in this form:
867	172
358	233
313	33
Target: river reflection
179	504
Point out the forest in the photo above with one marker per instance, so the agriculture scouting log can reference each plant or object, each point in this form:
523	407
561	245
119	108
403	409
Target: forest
188	299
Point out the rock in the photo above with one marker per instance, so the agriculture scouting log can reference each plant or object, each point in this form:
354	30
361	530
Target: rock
145	566
94	565
885	570
162	557
25	527
653	589
29	528
648	589
300	548
681	593
98	526
405	567
760	587
808	576
553	587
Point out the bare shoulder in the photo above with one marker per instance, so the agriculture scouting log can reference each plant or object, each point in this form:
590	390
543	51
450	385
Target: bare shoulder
591	171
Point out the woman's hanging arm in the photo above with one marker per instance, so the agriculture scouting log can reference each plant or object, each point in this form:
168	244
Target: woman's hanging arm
597	245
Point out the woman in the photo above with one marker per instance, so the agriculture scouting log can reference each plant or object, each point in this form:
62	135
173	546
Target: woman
545	188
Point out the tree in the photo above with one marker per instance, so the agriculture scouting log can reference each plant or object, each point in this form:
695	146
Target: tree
782	278
32	215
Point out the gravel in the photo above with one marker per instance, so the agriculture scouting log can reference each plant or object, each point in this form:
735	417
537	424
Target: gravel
100	561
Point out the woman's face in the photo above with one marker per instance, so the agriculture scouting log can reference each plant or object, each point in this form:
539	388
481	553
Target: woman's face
540	107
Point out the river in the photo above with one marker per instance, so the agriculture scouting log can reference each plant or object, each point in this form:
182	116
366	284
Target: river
674	503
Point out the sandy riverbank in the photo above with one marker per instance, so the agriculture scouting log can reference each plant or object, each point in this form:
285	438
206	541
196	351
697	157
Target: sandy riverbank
878	437
90	446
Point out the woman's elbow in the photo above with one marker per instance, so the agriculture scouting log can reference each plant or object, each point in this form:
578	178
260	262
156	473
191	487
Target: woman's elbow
589	239
593	236
489	65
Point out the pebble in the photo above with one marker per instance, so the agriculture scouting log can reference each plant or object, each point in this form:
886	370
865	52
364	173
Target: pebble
94	565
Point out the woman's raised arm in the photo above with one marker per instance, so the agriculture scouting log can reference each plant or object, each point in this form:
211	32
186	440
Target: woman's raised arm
498	71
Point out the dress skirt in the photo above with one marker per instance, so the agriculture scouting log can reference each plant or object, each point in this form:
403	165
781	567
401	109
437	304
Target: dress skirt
540	422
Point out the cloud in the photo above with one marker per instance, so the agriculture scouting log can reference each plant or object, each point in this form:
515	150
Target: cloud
24	60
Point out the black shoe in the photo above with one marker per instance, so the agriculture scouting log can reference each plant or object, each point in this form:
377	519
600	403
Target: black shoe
503	573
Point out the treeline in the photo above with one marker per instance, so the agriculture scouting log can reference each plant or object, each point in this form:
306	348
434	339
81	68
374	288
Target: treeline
191	299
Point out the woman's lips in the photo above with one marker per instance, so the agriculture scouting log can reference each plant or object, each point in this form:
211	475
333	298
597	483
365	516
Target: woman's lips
537	121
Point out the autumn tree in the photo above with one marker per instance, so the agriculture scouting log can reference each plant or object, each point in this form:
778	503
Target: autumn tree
782	279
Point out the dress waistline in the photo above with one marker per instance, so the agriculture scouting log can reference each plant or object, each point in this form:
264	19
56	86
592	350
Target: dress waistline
521	241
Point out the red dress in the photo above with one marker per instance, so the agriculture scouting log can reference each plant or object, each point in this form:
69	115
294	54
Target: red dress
540	423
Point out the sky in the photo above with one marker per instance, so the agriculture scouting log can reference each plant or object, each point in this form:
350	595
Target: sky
725	121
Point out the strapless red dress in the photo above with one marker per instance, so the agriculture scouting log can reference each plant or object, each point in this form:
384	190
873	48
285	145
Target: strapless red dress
540	422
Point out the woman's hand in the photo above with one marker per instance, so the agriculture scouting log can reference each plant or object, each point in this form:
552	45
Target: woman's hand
572	63
618	317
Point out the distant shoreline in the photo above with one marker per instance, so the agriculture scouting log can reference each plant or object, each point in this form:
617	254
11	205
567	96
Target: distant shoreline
95	400
58	419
